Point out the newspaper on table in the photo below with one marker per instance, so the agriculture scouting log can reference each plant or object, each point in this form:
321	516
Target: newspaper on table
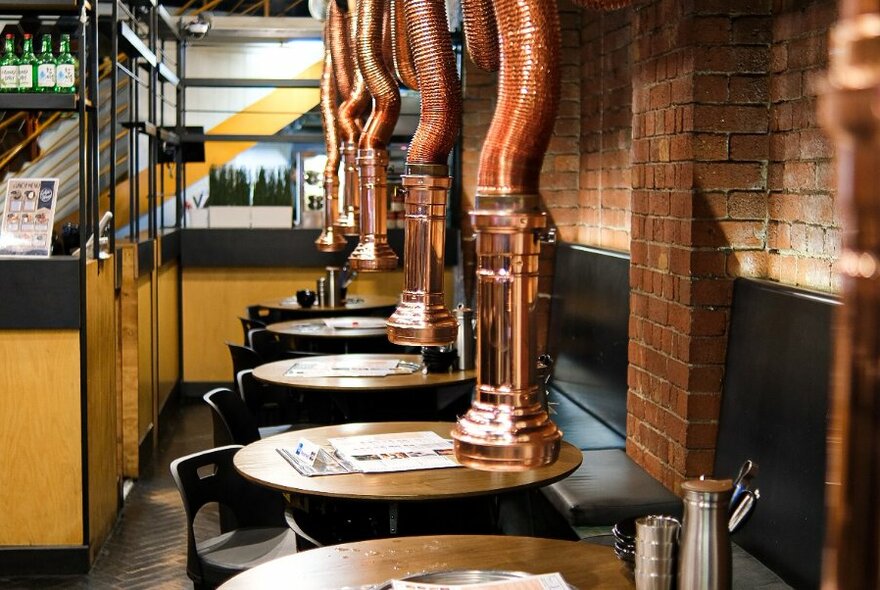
553	581
343	367
375	453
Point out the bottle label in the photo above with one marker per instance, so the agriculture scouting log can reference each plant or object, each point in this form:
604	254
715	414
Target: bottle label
64	75
46	76
26	76
9	77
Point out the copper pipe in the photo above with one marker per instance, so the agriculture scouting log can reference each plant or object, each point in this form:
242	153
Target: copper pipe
404	65
849	111
350	112
507	427
373	252
481	33
330	240
422	317
337	36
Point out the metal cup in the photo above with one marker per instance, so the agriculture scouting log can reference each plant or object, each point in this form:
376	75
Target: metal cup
656	538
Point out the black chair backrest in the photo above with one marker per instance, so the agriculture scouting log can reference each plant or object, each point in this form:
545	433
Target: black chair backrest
263	314
233	421
774	410
265	343
210	476
243	357
589	320
248	324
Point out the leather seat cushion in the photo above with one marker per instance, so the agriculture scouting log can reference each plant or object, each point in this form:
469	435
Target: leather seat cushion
581	428
608	487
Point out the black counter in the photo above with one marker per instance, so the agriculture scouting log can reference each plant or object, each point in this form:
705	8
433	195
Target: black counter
40	293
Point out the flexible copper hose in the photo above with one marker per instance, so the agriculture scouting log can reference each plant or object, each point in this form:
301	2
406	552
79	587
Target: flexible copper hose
440	118
404	66
358	102
528	98
330	240
481	33
379	80
387	40
337	37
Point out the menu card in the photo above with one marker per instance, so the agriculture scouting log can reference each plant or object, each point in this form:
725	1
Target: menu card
553	581
376	453
343	367
27	217
355	323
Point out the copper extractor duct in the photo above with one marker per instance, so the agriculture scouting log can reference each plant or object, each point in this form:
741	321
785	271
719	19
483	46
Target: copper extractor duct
404	65
422	317
330	239
849	111
373	252
507	427
481	33
353	107
337	35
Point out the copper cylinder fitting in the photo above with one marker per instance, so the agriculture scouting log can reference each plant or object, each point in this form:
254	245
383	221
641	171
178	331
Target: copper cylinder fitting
422	318
348	220
507	427
330	239
373	254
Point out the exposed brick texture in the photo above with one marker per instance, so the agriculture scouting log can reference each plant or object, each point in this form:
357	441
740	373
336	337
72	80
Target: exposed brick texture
698	150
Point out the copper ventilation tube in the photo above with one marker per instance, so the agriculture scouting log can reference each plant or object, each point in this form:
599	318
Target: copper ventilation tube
330	239
422	317
353	107
481	33
849	110
507	427
373	252
404	65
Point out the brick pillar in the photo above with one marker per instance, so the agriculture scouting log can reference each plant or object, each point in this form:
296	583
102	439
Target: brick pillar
699	206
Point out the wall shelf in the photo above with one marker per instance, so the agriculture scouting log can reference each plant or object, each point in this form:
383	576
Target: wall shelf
37	101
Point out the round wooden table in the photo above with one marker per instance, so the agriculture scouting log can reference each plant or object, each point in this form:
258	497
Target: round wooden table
355	565
376	305
426	501
340	334
411	396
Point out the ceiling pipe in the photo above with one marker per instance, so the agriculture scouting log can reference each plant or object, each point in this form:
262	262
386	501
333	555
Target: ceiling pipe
373	252
330	239
343	62
422	318
507	427
404	65
849	110
481	33
350	112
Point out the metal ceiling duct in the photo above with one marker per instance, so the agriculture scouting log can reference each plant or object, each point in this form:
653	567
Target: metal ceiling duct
355	105
481	33
507	427
422	317
338	38
373	252
330	239
404	66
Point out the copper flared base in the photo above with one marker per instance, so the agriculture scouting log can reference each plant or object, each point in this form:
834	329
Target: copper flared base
330	240
419	323
502	438
373	256
349	223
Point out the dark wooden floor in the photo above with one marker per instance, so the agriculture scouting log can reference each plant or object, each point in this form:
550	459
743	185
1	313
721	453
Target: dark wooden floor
147	548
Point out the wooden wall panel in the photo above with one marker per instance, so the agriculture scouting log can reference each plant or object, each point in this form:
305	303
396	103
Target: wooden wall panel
101	408
40	434
145	355
169	331
214	298
128	362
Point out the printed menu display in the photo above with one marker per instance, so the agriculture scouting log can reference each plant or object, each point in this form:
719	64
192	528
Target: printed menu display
27	217
553	581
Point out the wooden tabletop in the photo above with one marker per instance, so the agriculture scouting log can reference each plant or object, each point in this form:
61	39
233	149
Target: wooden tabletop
275	373
261	463
352	303
317	328
353	565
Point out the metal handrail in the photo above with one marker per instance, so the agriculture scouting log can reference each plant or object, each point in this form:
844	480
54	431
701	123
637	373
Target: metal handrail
7	122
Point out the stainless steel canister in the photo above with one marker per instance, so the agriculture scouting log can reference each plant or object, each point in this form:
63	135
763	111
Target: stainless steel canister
334	286
704	554
321	290
464	340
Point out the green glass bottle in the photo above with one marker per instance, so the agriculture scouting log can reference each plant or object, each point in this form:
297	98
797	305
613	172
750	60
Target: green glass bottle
46	67
65	67
9	66
27	66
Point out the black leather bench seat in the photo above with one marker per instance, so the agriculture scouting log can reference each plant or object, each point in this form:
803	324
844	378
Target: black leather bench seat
581	428
608	487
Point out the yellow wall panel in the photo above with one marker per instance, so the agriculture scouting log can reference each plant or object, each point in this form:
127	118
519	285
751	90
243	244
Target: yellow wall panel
145	355
41	465
169	331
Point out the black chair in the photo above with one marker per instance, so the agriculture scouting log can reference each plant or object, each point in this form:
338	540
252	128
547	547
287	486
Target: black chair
243	358
248	324
263	314
260	531
266	344
233	421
